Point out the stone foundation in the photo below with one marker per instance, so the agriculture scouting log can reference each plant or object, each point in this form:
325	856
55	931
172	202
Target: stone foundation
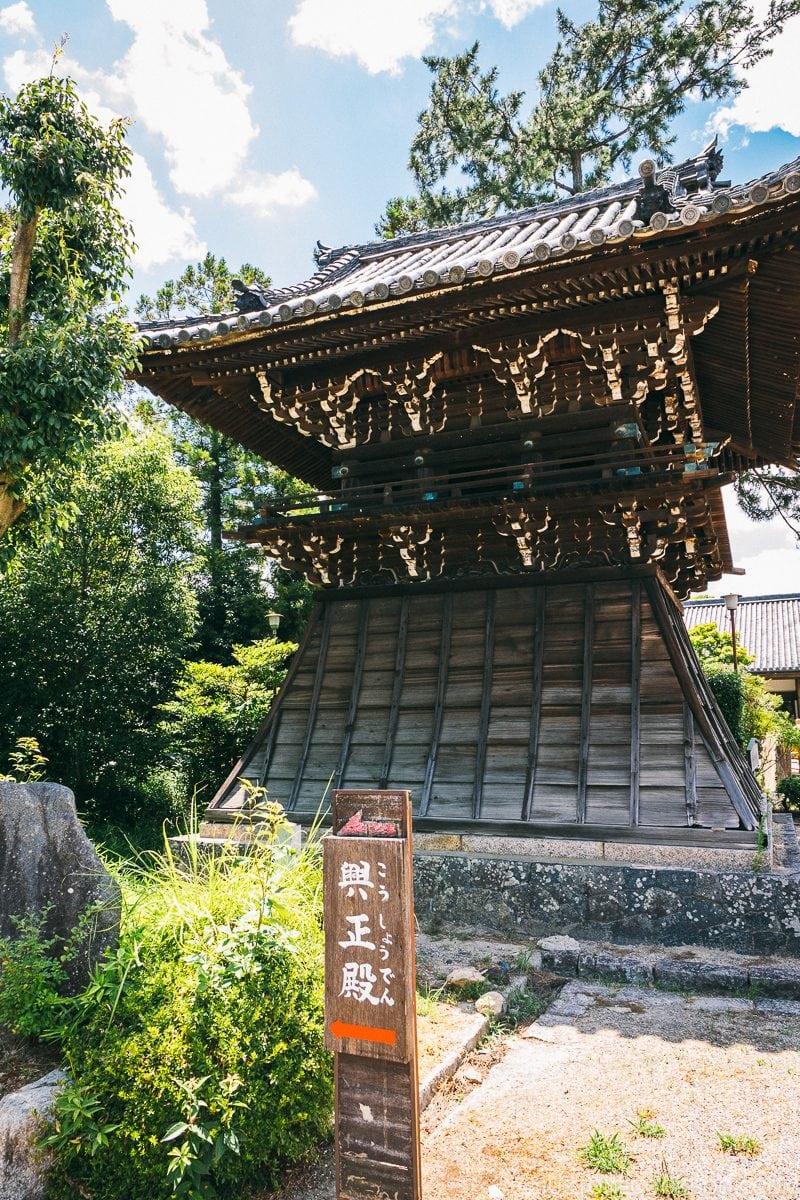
746	911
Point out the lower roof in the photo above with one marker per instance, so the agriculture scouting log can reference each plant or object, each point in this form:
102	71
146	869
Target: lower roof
768	627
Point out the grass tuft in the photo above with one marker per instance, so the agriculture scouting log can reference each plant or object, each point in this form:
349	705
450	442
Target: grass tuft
739	1143
607	1191
605	1153
644	1126
669	1186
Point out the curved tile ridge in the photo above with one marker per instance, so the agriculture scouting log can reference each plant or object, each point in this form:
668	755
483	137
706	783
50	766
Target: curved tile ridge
356	276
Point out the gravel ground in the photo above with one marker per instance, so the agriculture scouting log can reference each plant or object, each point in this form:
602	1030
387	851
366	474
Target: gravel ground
702	1065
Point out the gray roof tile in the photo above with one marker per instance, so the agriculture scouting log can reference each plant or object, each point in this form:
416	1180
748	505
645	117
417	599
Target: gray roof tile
353	276
767	626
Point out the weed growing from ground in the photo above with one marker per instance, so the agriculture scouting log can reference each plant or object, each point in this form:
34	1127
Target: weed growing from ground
669	1186
606	1154
522	1007
644	1125
739	1143
523	962
428	998
607	1191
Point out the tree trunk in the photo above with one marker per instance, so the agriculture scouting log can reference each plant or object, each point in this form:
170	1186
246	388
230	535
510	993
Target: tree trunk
214	499
20	274
11	509
577	173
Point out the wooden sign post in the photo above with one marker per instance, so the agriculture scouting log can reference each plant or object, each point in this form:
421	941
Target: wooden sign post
370	1010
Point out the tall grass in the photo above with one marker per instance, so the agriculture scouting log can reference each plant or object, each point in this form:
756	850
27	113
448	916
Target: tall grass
196	1052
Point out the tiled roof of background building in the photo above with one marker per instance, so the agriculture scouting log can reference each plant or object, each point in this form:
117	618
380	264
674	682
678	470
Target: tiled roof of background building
767	626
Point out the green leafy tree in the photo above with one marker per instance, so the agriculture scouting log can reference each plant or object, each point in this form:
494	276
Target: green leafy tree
235	591
217	710
750	709
64	251
97	622
613	86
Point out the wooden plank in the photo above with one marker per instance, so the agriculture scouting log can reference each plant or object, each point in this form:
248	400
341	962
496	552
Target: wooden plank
295	668
586	702
690	757
377	1114
704	709
636	679
438	711
539	600
319	675
486	704
355	691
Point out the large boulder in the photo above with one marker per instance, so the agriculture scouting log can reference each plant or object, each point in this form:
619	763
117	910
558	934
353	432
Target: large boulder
48	866
23	1165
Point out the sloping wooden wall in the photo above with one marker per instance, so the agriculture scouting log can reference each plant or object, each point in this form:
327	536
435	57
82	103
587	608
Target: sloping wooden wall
547	705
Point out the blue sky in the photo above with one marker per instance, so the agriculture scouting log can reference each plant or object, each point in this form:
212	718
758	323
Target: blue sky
262	125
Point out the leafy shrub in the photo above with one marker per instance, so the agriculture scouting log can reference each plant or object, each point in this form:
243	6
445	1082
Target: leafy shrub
32	974
196	1057
26	761
217	709
789	789
728	688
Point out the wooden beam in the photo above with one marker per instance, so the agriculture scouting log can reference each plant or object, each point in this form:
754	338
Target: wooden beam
727	758
690	758
586	701
539	600
397	689
272	718
355	692
438	711
486	705
324	640
636	690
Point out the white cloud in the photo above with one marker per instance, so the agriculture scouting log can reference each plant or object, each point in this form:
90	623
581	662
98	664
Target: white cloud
767	551
162	234
770	100
17	20
378	33
511	12
263	193
177	81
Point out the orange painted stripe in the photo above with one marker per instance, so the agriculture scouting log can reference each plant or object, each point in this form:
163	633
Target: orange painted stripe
364	1033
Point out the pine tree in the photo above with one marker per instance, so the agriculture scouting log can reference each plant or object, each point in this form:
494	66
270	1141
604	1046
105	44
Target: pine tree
613	86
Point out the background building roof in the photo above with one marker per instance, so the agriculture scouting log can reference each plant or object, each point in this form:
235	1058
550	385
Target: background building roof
767	626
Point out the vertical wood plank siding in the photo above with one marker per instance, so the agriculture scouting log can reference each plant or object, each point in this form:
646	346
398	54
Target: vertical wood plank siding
319	675
691	766
355	692
553	703
438	712
539	597
486	706
636	690
586	701
397	688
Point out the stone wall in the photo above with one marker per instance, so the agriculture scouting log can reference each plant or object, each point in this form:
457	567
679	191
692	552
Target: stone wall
746	911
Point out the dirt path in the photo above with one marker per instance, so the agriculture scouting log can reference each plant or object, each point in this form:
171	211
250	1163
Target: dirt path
703	1066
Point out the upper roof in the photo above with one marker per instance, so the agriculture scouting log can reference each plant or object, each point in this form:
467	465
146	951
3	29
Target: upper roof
767	626
356	276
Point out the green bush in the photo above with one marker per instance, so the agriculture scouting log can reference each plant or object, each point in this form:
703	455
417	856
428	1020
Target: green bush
728	688
789	789
196	1052
217	710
